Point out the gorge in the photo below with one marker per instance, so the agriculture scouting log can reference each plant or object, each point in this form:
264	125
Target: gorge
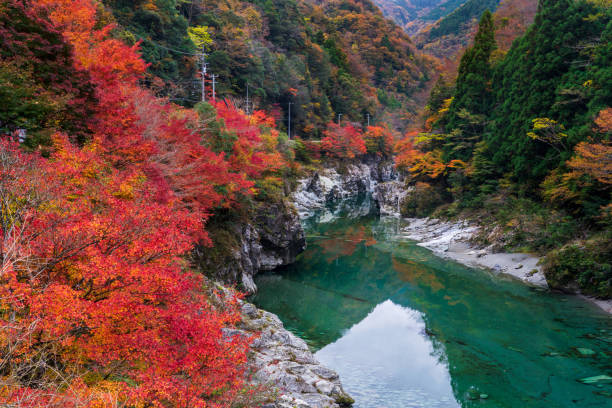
404	327
305	203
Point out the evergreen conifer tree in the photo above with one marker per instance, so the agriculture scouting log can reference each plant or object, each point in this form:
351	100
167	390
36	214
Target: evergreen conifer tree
473	96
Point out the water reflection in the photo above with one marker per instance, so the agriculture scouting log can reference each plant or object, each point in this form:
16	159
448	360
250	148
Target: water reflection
387	360
359	295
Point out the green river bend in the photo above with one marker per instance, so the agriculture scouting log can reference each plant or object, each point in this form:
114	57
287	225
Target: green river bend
405	328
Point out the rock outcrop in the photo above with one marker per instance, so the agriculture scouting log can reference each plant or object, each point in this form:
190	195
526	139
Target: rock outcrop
284	363
279	361
331	184
272	238
389	196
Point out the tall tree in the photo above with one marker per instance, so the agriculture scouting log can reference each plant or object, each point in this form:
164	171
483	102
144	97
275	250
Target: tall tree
473	91
473	95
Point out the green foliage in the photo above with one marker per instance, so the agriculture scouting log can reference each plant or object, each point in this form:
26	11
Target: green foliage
301	152
466	117
587	264
552	72
443	9
473	88
388	100
423	201
441	91
218	139
455	21
522	224
320	58
165	45
200	37
25	103
40	89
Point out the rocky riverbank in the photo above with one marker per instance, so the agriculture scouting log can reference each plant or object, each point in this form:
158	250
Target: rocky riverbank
284	362
279	361
452	240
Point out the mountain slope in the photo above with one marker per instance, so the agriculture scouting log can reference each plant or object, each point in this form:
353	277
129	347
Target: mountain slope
414	15
320	56
523	139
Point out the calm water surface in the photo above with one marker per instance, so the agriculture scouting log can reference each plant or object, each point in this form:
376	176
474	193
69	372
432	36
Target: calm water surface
404	328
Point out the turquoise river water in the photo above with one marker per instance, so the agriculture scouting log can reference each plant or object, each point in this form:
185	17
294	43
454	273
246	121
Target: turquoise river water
405	328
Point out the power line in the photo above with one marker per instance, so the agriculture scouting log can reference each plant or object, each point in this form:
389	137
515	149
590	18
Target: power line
214	82
289	118
204	66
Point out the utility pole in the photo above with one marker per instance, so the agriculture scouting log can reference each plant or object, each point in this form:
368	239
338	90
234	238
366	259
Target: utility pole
214	81
247	100
204	66
289	118
339	118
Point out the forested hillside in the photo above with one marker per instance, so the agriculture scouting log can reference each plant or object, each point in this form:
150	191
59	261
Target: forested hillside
105	190
523	140
449	35
111	193
123	193
444	29
415	15
326	58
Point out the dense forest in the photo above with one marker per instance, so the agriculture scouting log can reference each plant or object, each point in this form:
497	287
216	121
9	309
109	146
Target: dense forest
326	58
107	186
522	140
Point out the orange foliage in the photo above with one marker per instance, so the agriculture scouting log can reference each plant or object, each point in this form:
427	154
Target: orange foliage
593	159
93	281
512	18
603	121
379	140
422	165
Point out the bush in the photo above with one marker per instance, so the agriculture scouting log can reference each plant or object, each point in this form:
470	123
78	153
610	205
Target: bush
586	266
302	153
423	201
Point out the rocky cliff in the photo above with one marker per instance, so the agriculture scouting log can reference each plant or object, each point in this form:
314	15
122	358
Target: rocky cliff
334	183
280	365
271	237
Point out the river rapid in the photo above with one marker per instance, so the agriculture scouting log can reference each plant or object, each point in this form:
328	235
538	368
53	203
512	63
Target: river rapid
405	328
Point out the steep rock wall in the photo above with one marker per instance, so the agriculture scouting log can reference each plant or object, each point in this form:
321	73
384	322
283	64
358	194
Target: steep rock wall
333	183
273	237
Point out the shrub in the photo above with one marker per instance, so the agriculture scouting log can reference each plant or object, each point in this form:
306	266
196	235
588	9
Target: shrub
423	201
585	266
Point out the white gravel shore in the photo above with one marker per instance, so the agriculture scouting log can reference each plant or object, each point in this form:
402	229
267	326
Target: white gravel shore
451	240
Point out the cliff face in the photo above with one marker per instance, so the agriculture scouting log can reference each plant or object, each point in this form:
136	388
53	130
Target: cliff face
331	184
335	183
273	237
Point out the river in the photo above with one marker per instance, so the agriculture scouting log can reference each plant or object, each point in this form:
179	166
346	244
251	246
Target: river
405	328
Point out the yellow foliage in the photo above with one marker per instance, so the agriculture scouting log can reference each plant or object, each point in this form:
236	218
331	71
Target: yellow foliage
200	36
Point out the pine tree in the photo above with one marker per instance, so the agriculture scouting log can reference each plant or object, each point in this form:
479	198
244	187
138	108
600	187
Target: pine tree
473	96
473	91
